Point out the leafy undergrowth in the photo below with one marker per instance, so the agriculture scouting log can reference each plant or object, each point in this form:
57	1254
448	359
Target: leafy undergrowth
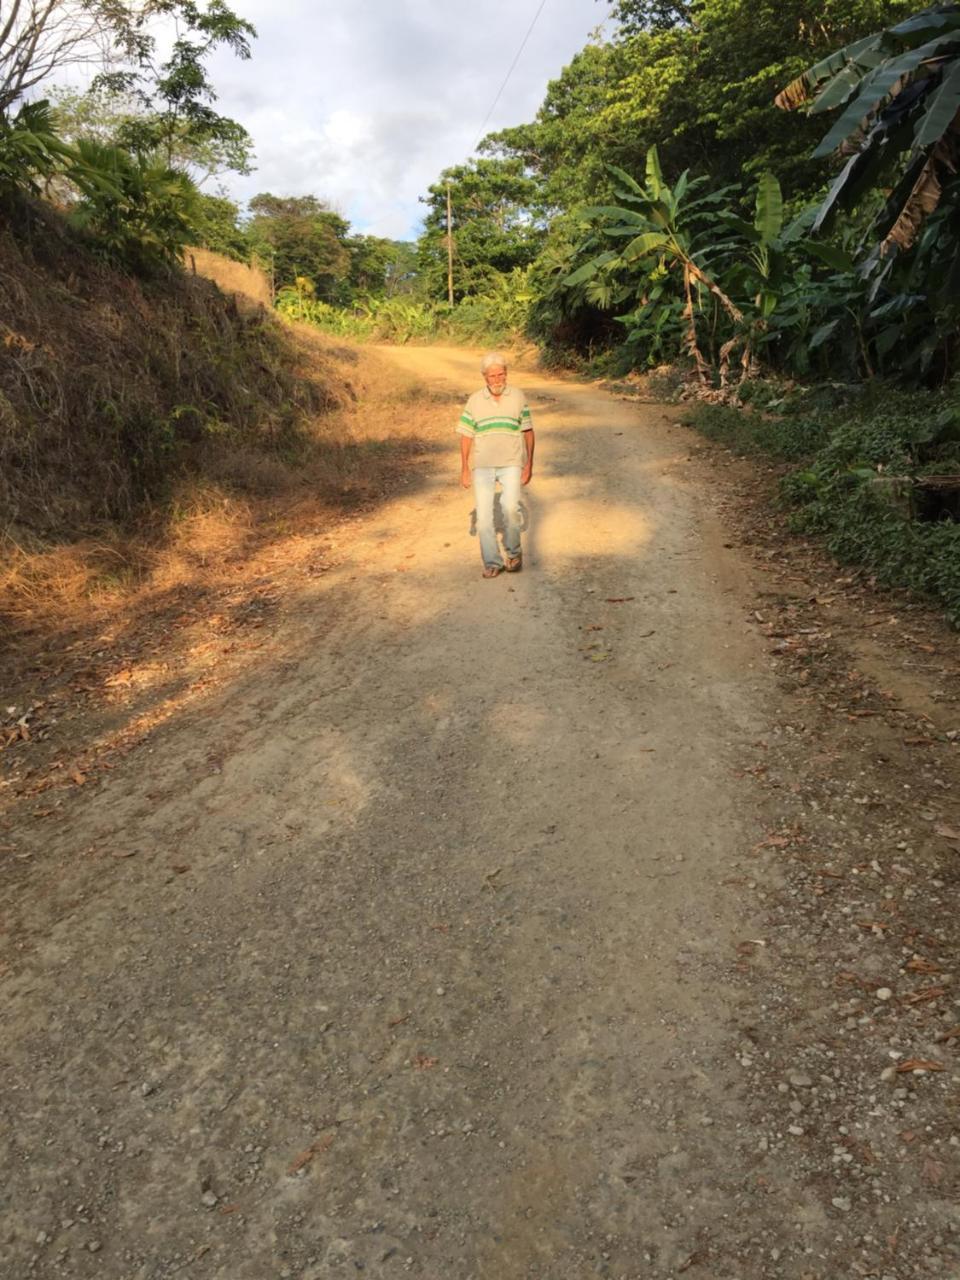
878	476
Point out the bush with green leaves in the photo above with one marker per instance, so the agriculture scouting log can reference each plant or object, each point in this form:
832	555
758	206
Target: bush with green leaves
142	215
864	460
498	315
31	150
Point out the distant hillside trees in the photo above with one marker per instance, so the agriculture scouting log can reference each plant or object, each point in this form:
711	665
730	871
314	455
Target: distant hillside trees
301	238
499	222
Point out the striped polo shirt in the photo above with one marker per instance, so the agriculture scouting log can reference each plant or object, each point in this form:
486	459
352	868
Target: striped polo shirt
496	427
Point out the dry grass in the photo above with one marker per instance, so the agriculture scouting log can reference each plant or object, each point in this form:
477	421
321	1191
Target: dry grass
231	276
238	500
129	579
112	389
104	638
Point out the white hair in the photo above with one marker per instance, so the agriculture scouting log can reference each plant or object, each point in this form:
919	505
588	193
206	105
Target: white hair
493	360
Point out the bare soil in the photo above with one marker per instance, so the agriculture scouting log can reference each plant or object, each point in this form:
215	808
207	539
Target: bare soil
597	920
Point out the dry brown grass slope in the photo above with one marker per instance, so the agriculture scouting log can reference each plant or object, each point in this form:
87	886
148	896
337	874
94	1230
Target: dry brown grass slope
157	438
232	277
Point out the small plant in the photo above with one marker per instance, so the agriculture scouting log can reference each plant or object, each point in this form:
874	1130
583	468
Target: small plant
138	212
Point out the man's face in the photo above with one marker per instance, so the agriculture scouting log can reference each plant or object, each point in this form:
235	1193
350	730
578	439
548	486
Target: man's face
496	379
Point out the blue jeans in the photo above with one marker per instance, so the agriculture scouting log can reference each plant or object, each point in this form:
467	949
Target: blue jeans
484	485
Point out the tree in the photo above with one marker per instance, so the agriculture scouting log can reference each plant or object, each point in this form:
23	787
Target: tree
216	226
302	237
652	15
41	37
897	93
695	80
122	119
663	227
380	268
498	224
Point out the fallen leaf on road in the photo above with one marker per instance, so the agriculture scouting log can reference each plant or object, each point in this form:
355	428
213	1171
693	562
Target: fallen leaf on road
423	1063
919	965
919	1064
927	993
179	868
123	853
918	742
948	833
77	777
398	1022
620	599
693	1261
773	842
229	1208
315	1149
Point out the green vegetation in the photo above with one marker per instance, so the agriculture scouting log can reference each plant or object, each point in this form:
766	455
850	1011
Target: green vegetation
763	196
803	268
878	476
497	315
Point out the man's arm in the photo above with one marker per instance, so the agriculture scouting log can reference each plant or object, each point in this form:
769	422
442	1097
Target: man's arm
465	478
529	442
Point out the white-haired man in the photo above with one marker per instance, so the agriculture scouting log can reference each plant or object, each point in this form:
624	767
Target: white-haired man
496	444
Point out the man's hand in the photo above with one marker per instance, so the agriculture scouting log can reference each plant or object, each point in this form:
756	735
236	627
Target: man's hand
466	479
526	474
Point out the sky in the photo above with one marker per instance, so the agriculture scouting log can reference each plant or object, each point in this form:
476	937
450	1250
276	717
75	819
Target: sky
363	103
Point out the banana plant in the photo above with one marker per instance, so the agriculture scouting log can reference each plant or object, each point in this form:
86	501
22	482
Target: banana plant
899	95
662	225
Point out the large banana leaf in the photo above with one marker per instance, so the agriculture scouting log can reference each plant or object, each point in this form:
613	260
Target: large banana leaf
924	24
769	208
614	211
878	85
630	183
590	269
836	258
801	89
655	183
645	245
923	199
942	106
891	135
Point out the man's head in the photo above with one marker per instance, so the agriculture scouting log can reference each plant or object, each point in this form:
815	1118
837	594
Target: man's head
493	366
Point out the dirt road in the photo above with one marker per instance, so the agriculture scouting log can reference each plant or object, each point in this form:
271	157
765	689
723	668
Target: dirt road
441	946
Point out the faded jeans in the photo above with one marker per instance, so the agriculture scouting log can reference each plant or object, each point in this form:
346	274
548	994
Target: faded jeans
484	486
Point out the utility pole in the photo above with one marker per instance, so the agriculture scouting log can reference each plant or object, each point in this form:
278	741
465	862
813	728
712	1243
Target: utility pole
449	248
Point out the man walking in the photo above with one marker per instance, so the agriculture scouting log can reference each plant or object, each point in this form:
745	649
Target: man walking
496	444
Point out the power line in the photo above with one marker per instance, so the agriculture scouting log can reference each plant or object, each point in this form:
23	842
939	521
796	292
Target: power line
506	78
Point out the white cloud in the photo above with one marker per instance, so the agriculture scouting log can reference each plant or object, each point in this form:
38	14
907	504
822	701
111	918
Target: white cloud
364	104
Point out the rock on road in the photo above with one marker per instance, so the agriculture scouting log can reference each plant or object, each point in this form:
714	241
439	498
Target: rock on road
443	984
